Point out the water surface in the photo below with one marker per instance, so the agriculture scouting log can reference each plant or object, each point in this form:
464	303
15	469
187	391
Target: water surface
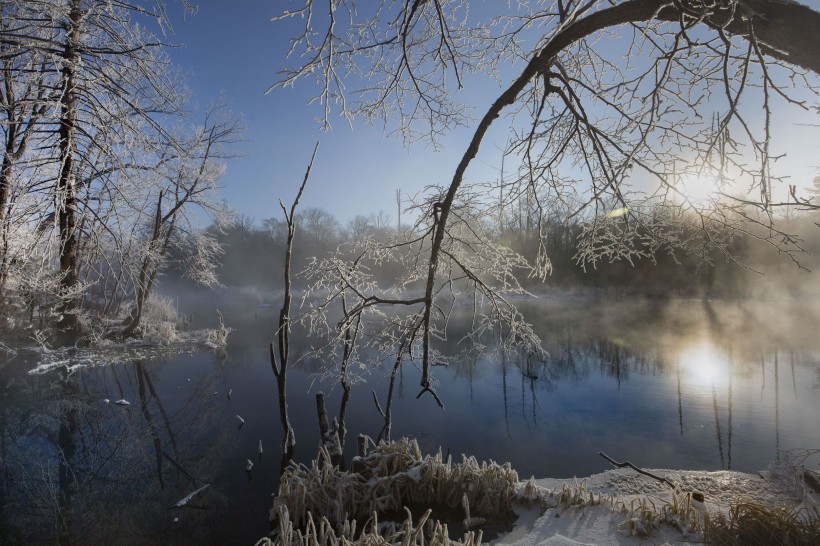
682	384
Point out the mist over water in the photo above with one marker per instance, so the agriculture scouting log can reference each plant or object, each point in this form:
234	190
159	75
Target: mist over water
685	384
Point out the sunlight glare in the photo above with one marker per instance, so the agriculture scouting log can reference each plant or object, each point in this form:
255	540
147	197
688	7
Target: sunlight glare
704	363
699	188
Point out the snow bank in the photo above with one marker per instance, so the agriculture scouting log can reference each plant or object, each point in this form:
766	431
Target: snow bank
321	505
642	508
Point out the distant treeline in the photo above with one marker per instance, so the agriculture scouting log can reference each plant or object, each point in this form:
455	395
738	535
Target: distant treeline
254	256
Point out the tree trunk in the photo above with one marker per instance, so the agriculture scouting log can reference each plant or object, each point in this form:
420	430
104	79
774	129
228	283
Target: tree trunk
5	180
148	269
67	180
5	171
280	370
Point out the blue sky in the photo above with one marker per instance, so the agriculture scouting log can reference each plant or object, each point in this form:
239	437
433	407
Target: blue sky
235	49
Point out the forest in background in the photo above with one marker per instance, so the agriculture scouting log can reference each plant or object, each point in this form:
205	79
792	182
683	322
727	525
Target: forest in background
253	256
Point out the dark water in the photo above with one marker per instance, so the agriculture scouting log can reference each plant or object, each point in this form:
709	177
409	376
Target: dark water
688	384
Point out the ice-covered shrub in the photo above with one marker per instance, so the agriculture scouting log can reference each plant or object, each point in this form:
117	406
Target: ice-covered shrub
217	338
161	309
160	319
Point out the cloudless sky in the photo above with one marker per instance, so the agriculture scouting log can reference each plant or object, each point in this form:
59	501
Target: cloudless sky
233	48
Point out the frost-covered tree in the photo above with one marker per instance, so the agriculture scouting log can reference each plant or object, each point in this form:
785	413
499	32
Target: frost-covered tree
615	110
110	89
26	94
185	185
119	165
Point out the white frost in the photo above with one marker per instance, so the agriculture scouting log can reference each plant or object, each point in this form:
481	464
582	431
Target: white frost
602	524
414	473
191	495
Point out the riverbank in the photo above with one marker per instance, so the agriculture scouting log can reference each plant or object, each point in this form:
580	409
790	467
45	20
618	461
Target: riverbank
323	505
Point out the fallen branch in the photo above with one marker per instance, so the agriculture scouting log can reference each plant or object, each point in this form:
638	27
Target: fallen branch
636	469
697	495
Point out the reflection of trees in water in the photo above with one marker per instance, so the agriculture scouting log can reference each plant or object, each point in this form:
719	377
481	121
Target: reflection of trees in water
76	470
613	360
387	412
573	359
717	426
730	396
680	398
468	370
777	404
504	389
577	350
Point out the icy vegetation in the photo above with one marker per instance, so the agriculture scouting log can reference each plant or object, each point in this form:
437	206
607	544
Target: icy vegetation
164	333
321	505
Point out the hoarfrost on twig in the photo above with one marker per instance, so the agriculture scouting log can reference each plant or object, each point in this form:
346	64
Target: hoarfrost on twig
191	495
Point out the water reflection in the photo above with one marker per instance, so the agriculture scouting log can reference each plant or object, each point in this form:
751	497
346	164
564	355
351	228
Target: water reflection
79	468
705	363
777	405
662	388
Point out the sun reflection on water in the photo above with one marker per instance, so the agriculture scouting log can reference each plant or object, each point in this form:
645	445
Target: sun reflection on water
704	363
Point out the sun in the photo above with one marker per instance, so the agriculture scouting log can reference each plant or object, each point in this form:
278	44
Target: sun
699	188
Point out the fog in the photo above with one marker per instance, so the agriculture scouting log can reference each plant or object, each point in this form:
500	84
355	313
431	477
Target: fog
747	267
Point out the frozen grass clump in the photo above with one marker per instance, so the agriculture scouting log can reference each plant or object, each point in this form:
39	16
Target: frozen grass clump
217	338
424	532
752	524
645	515
395	475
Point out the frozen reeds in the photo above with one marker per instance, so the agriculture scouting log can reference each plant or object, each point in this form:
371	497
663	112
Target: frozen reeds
320	505
645	515
322	532
391	477
395	475
750	523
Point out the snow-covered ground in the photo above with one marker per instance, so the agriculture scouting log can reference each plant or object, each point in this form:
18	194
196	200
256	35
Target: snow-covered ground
610	523
625	506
